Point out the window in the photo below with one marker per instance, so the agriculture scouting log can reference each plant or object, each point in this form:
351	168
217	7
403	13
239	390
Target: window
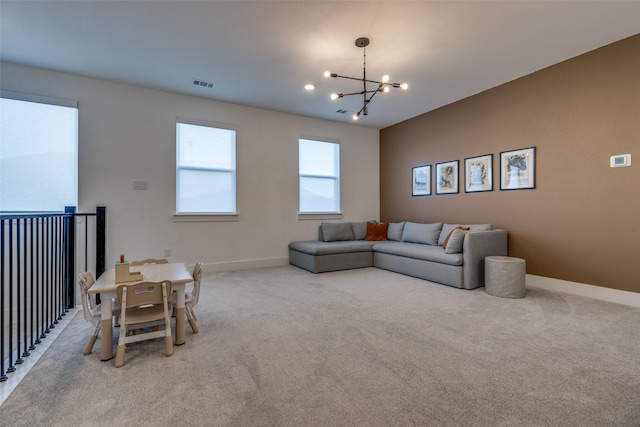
38	153
319	170
206	168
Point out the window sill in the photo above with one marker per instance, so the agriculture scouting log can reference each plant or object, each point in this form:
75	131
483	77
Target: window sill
205	217
319	215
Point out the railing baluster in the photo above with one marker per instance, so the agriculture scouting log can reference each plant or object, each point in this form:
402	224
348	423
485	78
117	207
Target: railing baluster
41	259
26	260
47	279
11	367
33	331
18	283
3	376
55	297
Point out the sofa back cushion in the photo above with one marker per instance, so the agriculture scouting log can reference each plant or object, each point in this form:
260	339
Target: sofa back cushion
421	233
336	231
359	230
395	231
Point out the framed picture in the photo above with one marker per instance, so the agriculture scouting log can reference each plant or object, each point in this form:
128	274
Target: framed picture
447	177
478	173
421	180
518	169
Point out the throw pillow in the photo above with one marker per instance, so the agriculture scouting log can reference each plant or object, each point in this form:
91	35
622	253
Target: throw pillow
395	231
333	231
454	246
421	233
377	232
446	240
446	230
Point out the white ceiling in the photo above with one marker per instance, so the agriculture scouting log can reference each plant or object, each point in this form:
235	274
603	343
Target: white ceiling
261	53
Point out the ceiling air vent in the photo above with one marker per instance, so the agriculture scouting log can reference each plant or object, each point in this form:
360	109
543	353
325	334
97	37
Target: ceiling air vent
342	111
202	83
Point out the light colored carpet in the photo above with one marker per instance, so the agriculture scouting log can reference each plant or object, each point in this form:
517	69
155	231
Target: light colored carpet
284	347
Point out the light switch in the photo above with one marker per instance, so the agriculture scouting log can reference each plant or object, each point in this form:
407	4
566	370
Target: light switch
139	185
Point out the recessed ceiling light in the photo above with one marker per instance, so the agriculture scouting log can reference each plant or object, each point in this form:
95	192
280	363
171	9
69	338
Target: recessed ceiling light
309	86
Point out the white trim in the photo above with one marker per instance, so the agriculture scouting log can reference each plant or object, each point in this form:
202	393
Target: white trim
590	291
244	265
27	97
206	123
205	217
319	215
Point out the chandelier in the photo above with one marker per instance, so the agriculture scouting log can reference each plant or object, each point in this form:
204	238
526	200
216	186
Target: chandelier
367	95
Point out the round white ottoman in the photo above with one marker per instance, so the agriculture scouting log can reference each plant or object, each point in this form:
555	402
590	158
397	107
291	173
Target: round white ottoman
505	276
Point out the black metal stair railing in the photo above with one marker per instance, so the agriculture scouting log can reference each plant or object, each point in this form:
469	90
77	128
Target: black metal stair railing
39	255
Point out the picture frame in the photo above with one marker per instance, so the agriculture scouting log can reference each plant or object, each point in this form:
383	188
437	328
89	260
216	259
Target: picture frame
421	180
447	177
518	169
478	174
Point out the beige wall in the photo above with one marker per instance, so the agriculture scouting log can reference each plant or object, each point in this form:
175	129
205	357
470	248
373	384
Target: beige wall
127	133
582	222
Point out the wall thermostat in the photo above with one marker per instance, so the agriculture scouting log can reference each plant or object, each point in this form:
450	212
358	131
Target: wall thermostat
620	161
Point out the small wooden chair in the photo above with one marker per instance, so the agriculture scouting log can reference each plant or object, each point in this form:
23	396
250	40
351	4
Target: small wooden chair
191	298
91	309
143	305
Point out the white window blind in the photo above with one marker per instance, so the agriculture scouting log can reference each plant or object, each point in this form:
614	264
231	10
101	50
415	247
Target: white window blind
319	174
38	153
206	168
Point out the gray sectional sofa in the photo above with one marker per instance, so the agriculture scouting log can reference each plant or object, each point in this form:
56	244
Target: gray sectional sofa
451	254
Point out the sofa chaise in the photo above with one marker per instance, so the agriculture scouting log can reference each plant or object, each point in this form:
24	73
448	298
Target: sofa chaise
451	254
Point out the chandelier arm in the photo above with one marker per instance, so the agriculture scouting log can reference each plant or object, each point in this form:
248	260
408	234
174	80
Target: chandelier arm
347	77
352	93
359	93
361	80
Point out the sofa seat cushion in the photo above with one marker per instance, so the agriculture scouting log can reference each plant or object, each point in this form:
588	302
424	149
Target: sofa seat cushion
315	247
419	251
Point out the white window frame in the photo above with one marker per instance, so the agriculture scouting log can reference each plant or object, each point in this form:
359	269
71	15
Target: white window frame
302	214
184	216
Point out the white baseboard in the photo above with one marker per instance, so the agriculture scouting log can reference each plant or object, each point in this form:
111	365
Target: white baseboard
245	265
589	291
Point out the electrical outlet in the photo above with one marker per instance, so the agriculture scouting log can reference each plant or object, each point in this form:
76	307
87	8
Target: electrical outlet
167	252
140	185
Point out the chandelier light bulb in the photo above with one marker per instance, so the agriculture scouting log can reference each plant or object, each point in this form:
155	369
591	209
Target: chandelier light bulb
404	86
334	96
309	86
385	78
356	116
327	74
385	89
